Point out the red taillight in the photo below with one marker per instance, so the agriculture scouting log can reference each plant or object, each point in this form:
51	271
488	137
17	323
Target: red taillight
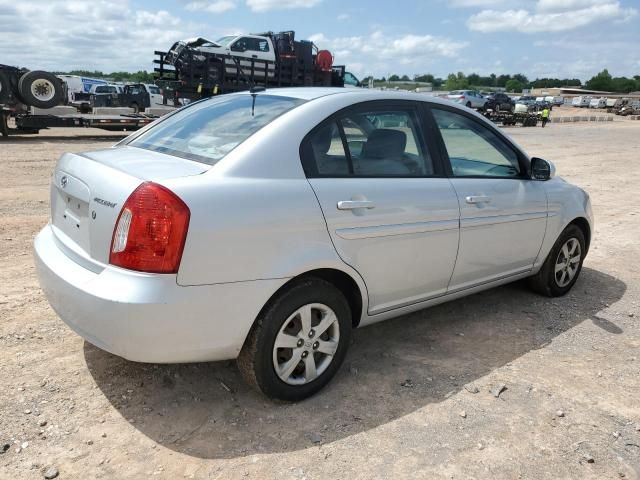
150	231
461	97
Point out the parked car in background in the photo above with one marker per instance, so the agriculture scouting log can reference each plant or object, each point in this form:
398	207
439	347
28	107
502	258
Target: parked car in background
555	101
468	98
542	103
372	224
598	103
499	101
528	101
582	101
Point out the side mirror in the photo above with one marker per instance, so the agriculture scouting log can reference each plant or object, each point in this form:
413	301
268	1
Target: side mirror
542	169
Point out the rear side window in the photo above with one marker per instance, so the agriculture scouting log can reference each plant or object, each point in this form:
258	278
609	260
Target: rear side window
206	131
376	143
473	149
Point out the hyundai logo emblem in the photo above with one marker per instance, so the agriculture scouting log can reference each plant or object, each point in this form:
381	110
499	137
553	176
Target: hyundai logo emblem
63	181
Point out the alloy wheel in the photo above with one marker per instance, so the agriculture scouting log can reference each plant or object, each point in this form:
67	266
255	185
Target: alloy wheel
306	344
567	262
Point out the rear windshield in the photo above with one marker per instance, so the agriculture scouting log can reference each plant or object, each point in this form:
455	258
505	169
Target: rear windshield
206	131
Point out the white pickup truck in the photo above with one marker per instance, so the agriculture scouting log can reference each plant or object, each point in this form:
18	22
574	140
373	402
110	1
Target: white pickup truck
240	47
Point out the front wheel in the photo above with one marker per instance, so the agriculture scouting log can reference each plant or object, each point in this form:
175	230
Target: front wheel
298	342
562	267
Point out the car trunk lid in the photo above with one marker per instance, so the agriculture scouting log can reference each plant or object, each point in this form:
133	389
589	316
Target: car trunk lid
88	191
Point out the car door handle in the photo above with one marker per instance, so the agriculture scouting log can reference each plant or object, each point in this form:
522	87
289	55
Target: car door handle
353	204
478	199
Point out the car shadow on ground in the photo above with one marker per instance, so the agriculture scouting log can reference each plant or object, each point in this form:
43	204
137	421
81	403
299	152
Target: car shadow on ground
392	369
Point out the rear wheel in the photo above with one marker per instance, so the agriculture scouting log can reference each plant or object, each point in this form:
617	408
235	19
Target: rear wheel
40	89
562	267
135	108
299	341
469	104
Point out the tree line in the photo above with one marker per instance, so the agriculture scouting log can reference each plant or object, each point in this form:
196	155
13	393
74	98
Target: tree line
515	83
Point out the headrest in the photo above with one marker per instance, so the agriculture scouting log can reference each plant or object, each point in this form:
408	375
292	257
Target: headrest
321	141
385	143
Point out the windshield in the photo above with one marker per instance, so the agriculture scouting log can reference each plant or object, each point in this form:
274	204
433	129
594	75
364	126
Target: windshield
224	41
206	131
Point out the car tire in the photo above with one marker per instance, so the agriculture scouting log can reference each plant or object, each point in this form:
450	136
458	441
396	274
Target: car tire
468	104
283	373
563	265
41	89
135	108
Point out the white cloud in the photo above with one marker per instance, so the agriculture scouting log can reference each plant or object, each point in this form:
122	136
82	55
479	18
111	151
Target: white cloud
555	21
378	53
343	16
216	6
266	5
107	35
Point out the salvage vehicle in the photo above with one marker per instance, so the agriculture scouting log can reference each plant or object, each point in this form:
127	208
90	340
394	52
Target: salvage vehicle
265	226
468	98
33	88
499	102
200	68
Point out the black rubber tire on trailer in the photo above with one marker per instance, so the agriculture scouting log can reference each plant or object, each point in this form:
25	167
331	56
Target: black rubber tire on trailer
257	357
5	88
546	281
41	89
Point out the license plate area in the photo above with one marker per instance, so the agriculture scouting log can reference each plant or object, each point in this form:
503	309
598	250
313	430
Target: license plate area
70	212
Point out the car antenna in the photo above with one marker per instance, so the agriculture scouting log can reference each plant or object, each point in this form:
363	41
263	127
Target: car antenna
254	93
253	88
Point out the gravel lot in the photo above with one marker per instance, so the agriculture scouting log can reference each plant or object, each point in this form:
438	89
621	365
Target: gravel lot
413	399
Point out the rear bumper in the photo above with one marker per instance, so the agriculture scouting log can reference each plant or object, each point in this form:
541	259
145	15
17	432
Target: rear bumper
145	317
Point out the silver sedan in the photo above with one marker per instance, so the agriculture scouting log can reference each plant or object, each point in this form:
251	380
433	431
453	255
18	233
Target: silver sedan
266	226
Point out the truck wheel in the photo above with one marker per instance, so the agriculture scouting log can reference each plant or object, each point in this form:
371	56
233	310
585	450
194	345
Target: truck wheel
135	107
40	89
5	88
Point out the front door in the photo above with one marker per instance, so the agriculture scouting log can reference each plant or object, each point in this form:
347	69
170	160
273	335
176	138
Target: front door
390	212
503	213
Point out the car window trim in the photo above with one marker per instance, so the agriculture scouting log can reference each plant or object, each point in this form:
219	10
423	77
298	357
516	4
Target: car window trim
306	154
523	162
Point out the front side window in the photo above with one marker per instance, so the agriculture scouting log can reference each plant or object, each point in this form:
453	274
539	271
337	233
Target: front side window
376	143
207	131
473	149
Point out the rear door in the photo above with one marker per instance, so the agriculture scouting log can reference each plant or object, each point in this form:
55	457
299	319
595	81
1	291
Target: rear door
503	212
391	213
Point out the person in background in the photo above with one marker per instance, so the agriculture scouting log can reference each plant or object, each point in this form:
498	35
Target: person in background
545	116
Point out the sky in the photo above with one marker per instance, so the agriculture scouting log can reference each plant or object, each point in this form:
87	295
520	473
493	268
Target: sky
540	38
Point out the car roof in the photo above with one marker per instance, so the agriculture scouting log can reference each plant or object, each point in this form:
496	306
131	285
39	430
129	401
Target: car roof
362	94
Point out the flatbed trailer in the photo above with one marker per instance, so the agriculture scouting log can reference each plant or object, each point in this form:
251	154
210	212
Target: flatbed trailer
199	68
25	123
529	119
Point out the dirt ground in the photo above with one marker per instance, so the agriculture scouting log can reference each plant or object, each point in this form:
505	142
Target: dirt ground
403	405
